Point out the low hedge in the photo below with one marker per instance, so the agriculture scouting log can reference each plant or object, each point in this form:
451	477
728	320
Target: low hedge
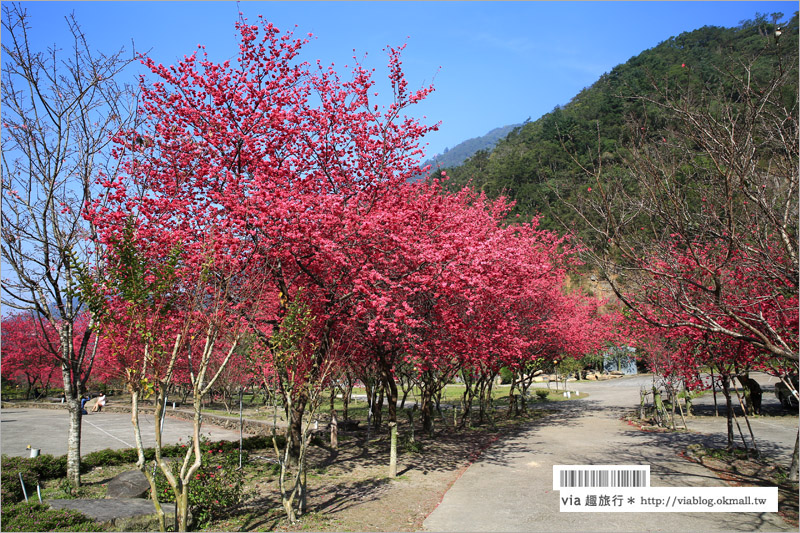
44	467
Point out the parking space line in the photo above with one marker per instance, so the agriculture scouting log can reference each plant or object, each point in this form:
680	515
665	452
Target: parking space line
109	434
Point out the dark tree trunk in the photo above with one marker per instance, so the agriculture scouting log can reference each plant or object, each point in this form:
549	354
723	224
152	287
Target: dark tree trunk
728	411
295	431
426	410
377	407
386	362
391	395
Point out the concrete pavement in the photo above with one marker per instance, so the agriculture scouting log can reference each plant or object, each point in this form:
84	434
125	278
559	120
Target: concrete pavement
510	487
47	429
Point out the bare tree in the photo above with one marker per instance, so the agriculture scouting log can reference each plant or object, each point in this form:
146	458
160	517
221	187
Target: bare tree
60	110
699	228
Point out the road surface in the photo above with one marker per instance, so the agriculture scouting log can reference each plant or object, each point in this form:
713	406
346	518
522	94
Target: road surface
510	488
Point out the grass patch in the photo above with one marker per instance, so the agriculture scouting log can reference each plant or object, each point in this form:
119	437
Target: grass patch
38	517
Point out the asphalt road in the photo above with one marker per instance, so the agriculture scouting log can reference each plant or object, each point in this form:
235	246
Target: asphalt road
47	429
510	488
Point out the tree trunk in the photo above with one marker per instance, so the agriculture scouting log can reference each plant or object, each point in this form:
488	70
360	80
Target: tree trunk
295	431
410	414
334	431
426	410
714	392
140	462
72	396
466	403
390	387
377	405
729	412
74	441
513	409
182	509
793	474
347	392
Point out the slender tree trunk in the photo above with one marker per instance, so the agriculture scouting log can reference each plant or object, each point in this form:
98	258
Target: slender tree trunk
334	431
747	421
673	399
466	405
410	414
406	391
377	405
426	410
642	397
347	392
513	410
729	412
72	395
714	392
793	474
296	426
182	508
140	462
30	387
390	387
526	383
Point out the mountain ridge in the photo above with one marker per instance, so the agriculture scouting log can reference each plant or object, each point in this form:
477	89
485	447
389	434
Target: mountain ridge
538	164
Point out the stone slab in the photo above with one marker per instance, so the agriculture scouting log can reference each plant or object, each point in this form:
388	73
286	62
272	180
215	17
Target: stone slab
129	484
117	511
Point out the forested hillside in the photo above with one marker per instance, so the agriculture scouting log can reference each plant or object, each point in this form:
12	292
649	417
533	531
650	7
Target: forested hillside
459	153
539	164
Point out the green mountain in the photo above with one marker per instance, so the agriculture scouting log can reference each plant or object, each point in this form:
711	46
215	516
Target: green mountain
452	157
539	164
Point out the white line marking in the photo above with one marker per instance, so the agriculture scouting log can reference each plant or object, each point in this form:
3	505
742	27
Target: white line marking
752	421
109	434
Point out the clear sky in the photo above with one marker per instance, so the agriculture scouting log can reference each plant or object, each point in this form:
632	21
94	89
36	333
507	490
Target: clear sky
492	63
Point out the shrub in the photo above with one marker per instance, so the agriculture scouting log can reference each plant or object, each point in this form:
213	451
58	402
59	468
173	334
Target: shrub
38	517
10	487
506	375
50	466
33	471
38	469
411	446
542	393
216	486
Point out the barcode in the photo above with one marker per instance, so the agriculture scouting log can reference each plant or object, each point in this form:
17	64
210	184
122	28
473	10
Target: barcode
606	476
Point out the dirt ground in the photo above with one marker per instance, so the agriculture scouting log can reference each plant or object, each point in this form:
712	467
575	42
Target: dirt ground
737	469
349	490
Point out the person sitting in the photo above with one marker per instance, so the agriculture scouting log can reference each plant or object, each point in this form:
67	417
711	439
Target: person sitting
101	402
83	405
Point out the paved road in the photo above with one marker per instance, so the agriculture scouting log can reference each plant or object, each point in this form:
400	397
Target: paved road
47	429
510	487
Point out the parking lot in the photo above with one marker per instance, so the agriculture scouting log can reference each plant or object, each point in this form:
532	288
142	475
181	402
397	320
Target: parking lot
47	430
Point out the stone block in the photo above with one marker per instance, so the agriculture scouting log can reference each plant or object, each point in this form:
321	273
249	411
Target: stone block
125	514
130	484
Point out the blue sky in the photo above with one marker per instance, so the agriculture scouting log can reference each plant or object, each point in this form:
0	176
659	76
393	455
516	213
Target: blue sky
492	63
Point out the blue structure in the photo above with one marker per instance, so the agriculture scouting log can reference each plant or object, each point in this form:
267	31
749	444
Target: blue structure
621	358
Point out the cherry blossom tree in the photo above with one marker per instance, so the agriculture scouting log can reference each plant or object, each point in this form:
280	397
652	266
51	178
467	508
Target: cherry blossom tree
27	354
242	172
